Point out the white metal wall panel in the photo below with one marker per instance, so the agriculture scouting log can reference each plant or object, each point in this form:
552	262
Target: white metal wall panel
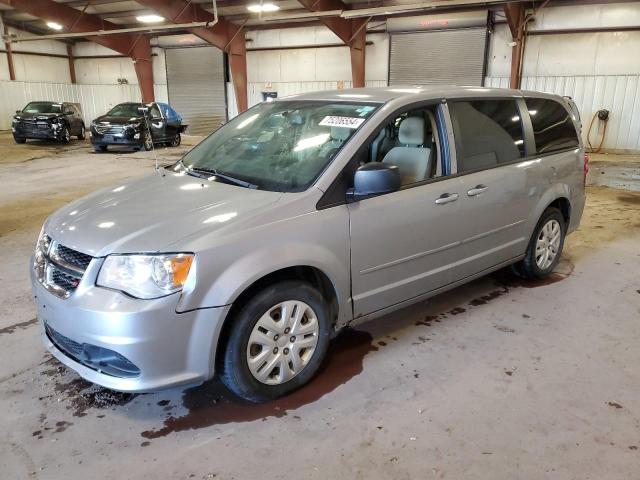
620	94
95	100
449	57
196	87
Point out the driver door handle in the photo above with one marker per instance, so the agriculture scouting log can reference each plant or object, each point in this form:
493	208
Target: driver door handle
447	198
477	190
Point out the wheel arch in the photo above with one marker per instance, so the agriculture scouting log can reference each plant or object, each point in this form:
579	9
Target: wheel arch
304	273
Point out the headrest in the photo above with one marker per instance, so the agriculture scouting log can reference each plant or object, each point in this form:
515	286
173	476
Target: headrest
340	133
411	131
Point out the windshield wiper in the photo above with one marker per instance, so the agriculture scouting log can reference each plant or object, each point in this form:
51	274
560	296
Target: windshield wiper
209	172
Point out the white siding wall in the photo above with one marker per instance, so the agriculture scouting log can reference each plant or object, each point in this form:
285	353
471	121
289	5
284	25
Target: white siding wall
598	70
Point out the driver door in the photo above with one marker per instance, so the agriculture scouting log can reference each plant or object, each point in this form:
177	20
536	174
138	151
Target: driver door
157	124
406	243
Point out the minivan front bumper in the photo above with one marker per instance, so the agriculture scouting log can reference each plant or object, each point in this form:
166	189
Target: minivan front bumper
168	348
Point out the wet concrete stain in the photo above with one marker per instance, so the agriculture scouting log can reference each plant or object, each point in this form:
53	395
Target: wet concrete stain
627	198
80	395
484	299
457	311
615	405
15	326
211	404
504	329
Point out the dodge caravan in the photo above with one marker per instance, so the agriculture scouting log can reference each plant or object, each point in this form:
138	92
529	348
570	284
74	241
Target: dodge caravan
298	218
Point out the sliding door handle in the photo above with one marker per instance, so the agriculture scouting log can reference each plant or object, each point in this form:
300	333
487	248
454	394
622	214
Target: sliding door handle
477	190
447	198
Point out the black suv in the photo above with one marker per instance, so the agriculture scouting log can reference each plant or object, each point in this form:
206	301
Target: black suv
137	125
48	121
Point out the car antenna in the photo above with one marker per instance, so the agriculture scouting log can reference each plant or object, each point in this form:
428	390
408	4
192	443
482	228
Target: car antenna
145	111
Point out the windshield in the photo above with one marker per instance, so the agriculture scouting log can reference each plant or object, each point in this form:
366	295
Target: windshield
43	107
280	146
126	110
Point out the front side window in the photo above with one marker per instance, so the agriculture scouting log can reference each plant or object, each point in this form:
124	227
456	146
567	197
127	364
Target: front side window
487	132
43	107
553	127
280	146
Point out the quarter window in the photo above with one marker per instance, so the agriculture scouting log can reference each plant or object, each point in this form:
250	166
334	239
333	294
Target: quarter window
488	133
553	127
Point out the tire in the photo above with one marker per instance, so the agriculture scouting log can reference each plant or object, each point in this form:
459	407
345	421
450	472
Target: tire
100	148
65	134
532	265
20	140
81	135
147	141
176	141
243	342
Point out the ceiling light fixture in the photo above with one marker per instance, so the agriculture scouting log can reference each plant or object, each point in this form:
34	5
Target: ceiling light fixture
54	26
150	18
263	7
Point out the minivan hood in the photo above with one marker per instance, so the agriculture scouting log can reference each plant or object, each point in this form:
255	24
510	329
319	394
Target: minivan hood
152	212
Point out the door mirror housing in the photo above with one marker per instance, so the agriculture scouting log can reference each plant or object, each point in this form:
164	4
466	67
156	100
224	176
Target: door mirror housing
373	179
18	111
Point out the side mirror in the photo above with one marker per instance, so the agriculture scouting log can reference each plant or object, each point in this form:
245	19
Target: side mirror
18	111
373	179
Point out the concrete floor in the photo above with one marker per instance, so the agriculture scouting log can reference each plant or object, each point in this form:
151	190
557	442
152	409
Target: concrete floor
496	379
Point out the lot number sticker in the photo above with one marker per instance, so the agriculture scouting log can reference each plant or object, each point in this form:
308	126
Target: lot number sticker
347	122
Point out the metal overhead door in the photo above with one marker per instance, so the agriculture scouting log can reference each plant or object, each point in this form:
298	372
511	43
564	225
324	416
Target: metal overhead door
448	48
452	57
195	82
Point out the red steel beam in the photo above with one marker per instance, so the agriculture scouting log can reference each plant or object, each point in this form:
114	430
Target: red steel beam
352	32
7	46
72	64
514	12
135	46
225	35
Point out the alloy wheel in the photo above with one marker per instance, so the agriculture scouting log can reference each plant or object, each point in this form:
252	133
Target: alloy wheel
548	244
282	342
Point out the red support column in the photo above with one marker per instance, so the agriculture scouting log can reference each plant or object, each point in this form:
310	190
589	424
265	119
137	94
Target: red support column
72	65
514	12
7	46
358	48
238	65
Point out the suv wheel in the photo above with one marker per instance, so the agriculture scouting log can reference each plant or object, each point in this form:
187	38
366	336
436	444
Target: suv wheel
148	141
277	342
100	148
81	135
19	139
65	135
176	140
545	246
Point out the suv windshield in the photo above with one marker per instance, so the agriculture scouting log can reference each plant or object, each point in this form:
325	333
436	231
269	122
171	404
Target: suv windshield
43	107
280	146
126	110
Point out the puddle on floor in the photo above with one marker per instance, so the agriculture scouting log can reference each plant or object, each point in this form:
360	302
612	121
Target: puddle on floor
211	404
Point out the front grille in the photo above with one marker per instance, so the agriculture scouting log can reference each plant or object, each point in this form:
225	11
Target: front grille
109	129
73	257
60	269
97	358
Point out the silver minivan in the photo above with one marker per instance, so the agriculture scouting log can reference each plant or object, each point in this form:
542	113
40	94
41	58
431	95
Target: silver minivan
298	218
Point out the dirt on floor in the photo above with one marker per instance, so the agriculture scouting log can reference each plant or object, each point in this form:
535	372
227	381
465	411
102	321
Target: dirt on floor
500	378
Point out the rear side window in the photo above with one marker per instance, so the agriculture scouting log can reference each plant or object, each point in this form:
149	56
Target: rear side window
488	133
553	127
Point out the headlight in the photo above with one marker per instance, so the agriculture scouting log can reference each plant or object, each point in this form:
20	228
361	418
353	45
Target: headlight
146	276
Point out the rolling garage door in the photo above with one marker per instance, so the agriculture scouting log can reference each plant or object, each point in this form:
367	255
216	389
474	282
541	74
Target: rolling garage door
195	82
451	52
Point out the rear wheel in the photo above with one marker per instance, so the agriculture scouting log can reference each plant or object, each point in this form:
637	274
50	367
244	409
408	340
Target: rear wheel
19	139
176	140
100	148
545	246
277	342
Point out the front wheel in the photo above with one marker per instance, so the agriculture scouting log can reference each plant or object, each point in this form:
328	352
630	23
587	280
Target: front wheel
19	140
81	135
65	135
100	148
276	343
545	246
148	141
